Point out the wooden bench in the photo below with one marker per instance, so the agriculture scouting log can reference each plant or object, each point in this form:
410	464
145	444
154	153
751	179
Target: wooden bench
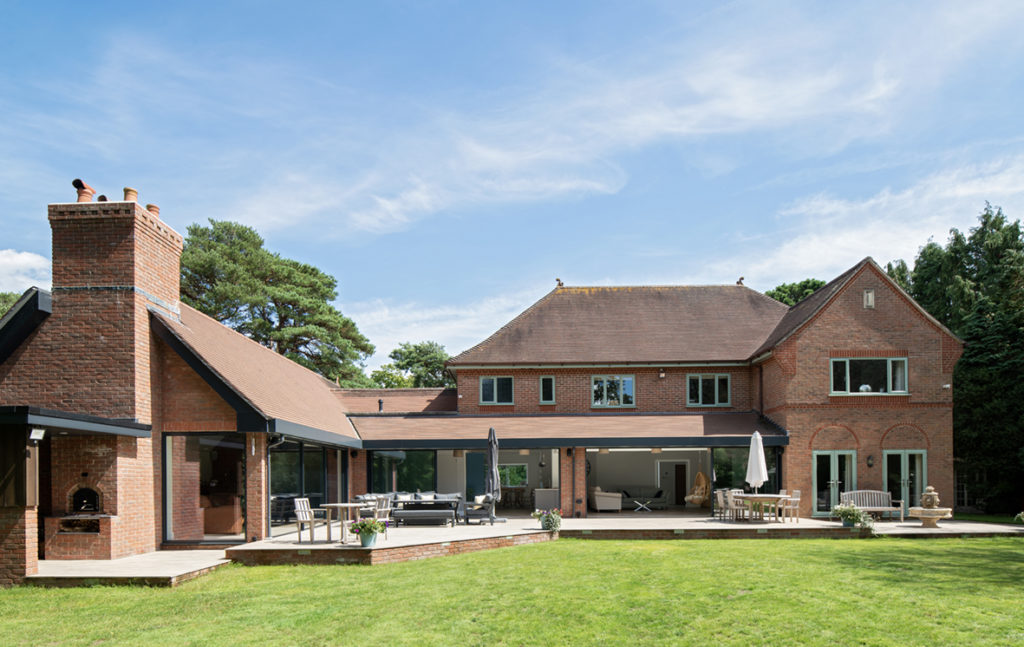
872	501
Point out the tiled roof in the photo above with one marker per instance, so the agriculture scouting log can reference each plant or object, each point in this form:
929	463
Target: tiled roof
545	427
272	384
633	324
397	400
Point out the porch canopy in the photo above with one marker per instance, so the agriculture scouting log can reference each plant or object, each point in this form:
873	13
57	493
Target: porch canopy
586	430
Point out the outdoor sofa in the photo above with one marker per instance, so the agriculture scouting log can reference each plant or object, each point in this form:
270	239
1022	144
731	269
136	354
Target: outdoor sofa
425	508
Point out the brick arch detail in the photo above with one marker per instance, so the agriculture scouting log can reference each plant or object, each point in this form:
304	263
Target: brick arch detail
895	442
71	485
813	442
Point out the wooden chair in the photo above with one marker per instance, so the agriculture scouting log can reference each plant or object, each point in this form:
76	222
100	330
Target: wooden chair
382	512
305	516
791	506
736	509
720	507
774	509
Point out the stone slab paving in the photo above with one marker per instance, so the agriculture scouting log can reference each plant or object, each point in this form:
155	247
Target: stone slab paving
160	568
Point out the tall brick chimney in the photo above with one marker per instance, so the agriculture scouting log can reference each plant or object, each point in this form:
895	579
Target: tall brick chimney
112	262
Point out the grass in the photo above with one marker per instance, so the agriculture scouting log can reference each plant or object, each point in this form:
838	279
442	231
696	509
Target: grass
577	592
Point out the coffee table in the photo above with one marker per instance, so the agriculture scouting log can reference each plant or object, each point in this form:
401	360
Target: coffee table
641	505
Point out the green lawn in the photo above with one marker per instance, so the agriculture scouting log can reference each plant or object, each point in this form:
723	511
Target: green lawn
985	518
580	592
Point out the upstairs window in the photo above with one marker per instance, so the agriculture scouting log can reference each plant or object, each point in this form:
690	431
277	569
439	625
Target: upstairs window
709	390
496	390
612	391
863	376
547	390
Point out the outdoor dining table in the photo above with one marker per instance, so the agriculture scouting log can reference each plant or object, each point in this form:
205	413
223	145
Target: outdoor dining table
758	501
342	508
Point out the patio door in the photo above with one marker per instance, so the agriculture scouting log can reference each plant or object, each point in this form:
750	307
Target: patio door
906	473
834	472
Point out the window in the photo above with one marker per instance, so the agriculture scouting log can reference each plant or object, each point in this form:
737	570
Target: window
547	390
857	376
612	390
495	390
513	475
710	390
869	298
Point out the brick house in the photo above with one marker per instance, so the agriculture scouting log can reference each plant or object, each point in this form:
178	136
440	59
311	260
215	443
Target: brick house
643	387
130	422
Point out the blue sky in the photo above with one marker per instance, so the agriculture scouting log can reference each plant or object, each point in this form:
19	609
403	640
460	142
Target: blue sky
446	161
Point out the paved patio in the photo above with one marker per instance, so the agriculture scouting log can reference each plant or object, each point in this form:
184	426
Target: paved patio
405	543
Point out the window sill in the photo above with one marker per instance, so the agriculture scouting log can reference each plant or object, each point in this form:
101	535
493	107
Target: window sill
868	394
624	406
497	404
708	406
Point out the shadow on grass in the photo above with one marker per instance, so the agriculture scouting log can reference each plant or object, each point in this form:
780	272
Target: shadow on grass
968	566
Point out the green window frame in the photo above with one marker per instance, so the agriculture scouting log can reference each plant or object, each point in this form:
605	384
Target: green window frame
547	389
708	390
869	376
613	391
497	390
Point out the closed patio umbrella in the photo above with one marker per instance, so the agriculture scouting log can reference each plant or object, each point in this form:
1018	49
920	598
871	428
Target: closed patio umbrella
757	468
492	482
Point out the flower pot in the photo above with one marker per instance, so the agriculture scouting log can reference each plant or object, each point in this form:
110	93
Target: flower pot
847	523
368	539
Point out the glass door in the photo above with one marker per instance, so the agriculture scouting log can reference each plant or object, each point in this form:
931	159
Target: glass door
906	474
834	472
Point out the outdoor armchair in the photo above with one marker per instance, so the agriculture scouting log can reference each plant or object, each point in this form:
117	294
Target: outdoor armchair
481	507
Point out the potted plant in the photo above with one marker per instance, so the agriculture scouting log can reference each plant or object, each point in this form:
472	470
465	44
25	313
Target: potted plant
852	516
549	519
368	528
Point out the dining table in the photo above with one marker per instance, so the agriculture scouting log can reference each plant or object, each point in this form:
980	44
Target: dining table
758	502
343	512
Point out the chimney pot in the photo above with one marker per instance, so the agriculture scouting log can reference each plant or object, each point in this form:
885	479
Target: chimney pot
85	192
153	209
101	198
130	194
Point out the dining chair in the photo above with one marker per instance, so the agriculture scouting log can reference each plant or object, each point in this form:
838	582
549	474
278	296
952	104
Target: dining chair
792	506
382	512
737	509
720	509
305	516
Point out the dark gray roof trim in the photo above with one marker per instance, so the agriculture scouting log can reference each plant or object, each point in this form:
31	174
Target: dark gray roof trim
312	434
76	422
22	319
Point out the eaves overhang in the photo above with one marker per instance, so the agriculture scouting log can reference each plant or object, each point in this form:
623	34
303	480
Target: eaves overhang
67	423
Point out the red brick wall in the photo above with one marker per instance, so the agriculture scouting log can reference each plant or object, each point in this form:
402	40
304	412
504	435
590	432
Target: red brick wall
797	388
188	403
256	512
358	473
573	390
19	542
187	521
573	491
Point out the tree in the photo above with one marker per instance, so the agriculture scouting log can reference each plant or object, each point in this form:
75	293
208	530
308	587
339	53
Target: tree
975	286
281	303
390	377
7	299
793	293
416	365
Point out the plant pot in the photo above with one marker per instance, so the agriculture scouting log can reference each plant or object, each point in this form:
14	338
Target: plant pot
847	523
550	524
368	539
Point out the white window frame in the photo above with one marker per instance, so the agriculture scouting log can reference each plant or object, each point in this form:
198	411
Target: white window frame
496	378
715	376
619	379
540	389
889	361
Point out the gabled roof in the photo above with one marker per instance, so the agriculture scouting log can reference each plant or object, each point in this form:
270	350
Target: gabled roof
291	398
583	325
804	311
22	319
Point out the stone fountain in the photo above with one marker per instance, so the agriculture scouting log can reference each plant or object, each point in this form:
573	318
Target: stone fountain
929	511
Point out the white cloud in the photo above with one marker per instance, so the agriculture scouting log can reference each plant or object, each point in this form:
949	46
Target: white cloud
22	270
456	326
824	235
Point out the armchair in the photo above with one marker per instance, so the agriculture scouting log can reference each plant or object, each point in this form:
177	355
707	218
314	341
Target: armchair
604	501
